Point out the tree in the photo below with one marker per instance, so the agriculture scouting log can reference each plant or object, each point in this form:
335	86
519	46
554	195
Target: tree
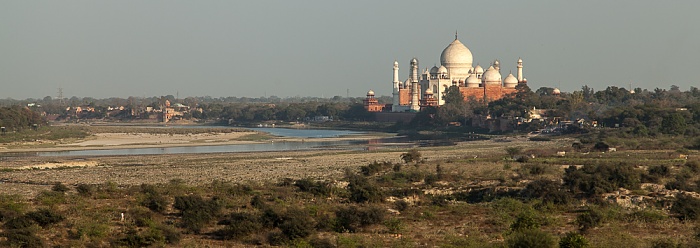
411	156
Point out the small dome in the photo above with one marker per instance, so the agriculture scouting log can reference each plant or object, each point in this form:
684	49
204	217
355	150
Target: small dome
496	63
473	81
479	69
510	81
428	91
414	60
520	60
370	93
434	70
396	62
491	76
442	69
556	91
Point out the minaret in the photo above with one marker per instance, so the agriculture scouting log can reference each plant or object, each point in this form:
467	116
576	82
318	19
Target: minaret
520	70
395	94
414	85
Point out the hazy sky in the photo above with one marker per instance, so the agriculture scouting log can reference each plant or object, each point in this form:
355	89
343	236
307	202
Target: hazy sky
326	48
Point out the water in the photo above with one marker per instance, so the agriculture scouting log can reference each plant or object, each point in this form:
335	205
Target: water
305	133
257	147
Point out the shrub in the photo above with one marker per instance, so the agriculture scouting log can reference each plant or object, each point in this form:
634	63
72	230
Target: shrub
297	224
85	189
411	156
195	211
351	218
22	238
525	220
693	166
592	180
589	219
45	217
394	225
51	198
686	207
239	225
59	187
313	187
573	240
546	190
401	205
153	199
20	222
660	170
10	206
601	146
375	167
527	238
362	190
513	151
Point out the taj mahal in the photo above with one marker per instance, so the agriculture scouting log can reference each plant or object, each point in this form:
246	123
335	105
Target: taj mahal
427	88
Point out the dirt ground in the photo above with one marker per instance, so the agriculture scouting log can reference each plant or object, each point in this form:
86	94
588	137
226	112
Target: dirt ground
29	175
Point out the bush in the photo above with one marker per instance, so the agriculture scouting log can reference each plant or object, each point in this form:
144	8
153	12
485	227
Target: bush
686	207
589	219
351	218
195	211
593	180
660	170
51	198
573	240
239	225
362	190
297	224
22	238
693	166
411	156
546	190
85	189
525	220
374	168
59	187
153	199
530	238
313	187
45	217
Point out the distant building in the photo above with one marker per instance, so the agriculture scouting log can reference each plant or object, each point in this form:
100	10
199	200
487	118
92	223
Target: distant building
428	88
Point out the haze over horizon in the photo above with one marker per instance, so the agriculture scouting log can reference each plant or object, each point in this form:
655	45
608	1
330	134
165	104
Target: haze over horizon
107	49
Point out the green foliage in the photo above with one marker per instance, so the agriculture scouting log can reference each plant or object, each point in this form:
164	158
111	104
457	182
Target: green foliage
11	206
59	187
573	240
513	151
589	219
314	187
153	199
22	238
51	198
525	220
548	191
45	217
686	207
350	219
660	170
195	211
411	156
375	167
85	190
394	225
296	224
362	190
593	180
239	225
530	238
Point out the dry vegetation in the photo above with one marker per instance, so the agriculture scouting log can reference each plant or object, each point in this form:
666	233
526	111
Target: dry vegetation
475	194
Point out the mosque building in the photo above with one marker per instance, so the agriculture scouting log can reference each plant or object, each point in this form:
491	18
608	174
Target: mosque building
428	88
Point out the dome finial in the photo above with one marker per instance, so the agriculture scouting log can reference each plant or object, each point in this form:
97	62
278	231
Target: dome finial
455	34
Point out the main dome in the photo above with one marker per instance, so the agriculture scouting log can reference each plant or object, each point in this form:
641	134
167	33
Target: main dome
457	58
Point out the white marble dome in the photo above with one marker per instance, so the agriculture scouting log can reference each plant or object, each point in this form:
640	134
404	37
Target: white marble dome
556	91
473	81
442	69
510	81
370	93
434	70
457	58
428	91
479	70
491	76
